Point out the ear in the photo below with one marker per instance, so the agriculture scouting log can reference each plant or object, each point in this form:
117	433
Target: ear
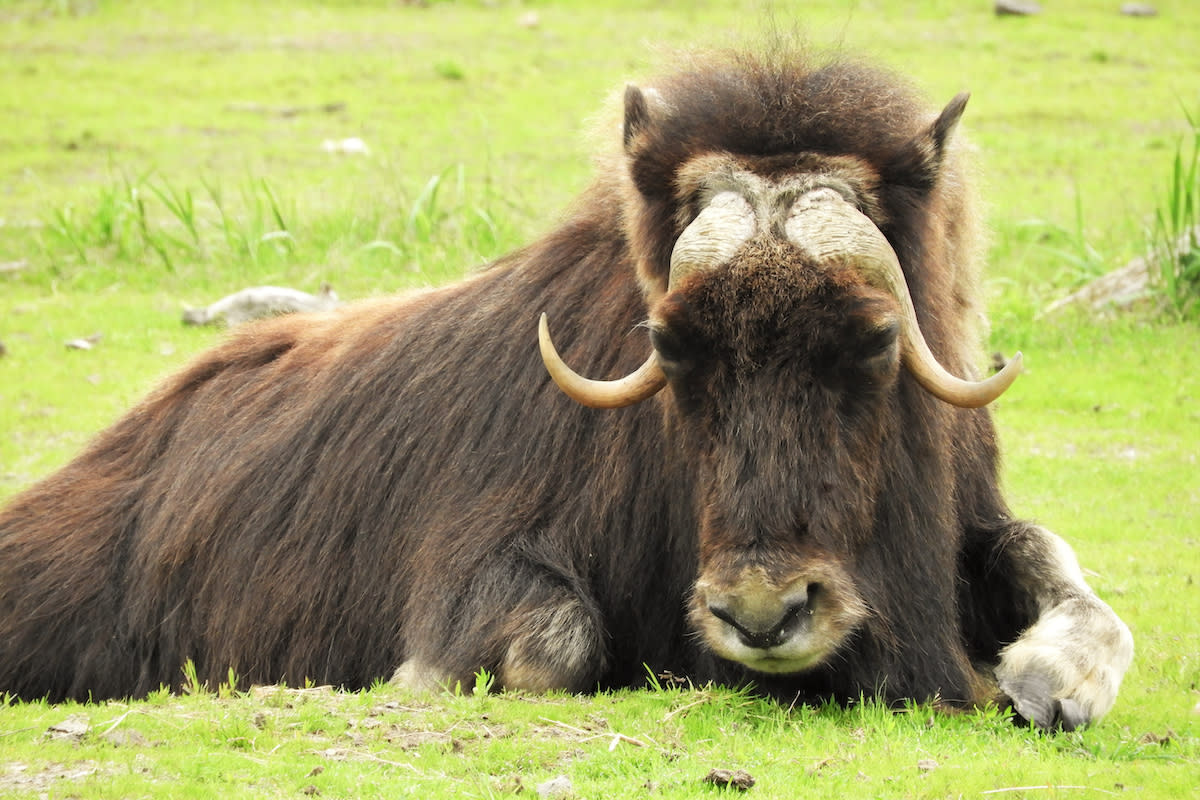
919	163
637	113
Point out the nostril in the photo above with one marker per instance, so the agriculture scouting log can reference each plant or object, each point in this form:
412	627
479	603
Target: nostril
723	613
795	611
800	605
749	638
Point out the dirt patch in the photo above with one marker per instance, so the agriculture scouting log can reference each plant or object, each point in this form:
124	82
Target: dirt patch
47	779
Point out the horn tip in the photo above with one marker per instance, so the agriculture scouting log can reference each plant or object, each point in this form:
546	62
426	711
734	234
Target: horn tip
1015	365
1005	378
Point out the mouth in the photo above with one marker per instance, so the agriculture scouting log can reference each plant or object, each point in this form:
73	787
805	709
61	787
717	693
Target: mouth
780	665
799	653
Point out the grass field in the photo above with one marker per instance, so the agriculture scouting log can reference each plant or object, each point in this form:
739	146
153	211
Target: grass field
157	155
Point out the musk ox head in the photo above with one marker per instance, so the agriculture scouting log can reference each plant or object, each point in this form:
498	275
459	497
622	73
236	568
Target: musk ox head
783	221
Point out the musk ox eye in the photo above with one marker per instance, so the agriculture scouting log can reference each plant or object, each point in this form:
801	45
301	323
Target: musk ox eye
880	337
878	349
673	352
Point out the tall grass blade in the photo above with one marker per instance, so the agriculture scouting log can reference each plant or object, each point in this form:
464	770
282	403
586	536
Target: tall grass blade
274	205
1176	238
421	222
182	206
64	227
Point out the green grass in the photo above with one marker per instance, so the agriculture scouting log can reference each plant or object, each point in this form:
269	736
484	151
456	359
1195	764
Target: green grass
280	742
159	155
1177	230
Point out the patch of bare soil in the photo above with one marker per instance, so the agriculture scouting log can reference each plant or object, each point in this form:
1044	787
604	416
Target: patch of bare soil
45	780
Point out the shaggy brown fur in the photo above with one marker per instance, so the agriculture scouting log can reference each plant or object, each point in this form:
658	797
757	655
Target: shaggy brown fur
330	496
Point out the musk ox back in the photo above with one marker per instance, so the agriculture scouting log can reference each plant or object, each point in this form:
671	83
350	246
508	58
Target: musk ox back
795	484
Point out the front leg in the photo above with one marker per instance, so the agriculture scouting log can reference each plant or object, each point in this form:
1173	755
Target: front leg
1064	670
524	615
552	643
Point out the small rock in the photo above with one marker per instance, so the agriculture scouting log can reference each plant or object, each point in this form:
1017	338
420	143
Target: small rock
74	728
1017	8
737	778
1150	737
258	302
125	738
86	343
1138	10
351	146
927	765
556	787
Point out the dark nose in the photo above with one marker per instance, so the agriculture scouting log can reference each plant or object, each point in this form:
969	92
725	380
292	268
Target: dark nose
765	622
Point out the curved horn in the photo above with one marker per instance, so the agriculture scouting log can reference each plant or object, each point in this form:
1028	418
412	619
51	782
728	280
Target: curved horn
710	240
647	380
828	228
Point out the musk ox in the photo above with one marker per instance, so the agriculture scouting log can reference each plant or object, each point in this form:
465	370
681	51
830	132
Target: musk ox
797	486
